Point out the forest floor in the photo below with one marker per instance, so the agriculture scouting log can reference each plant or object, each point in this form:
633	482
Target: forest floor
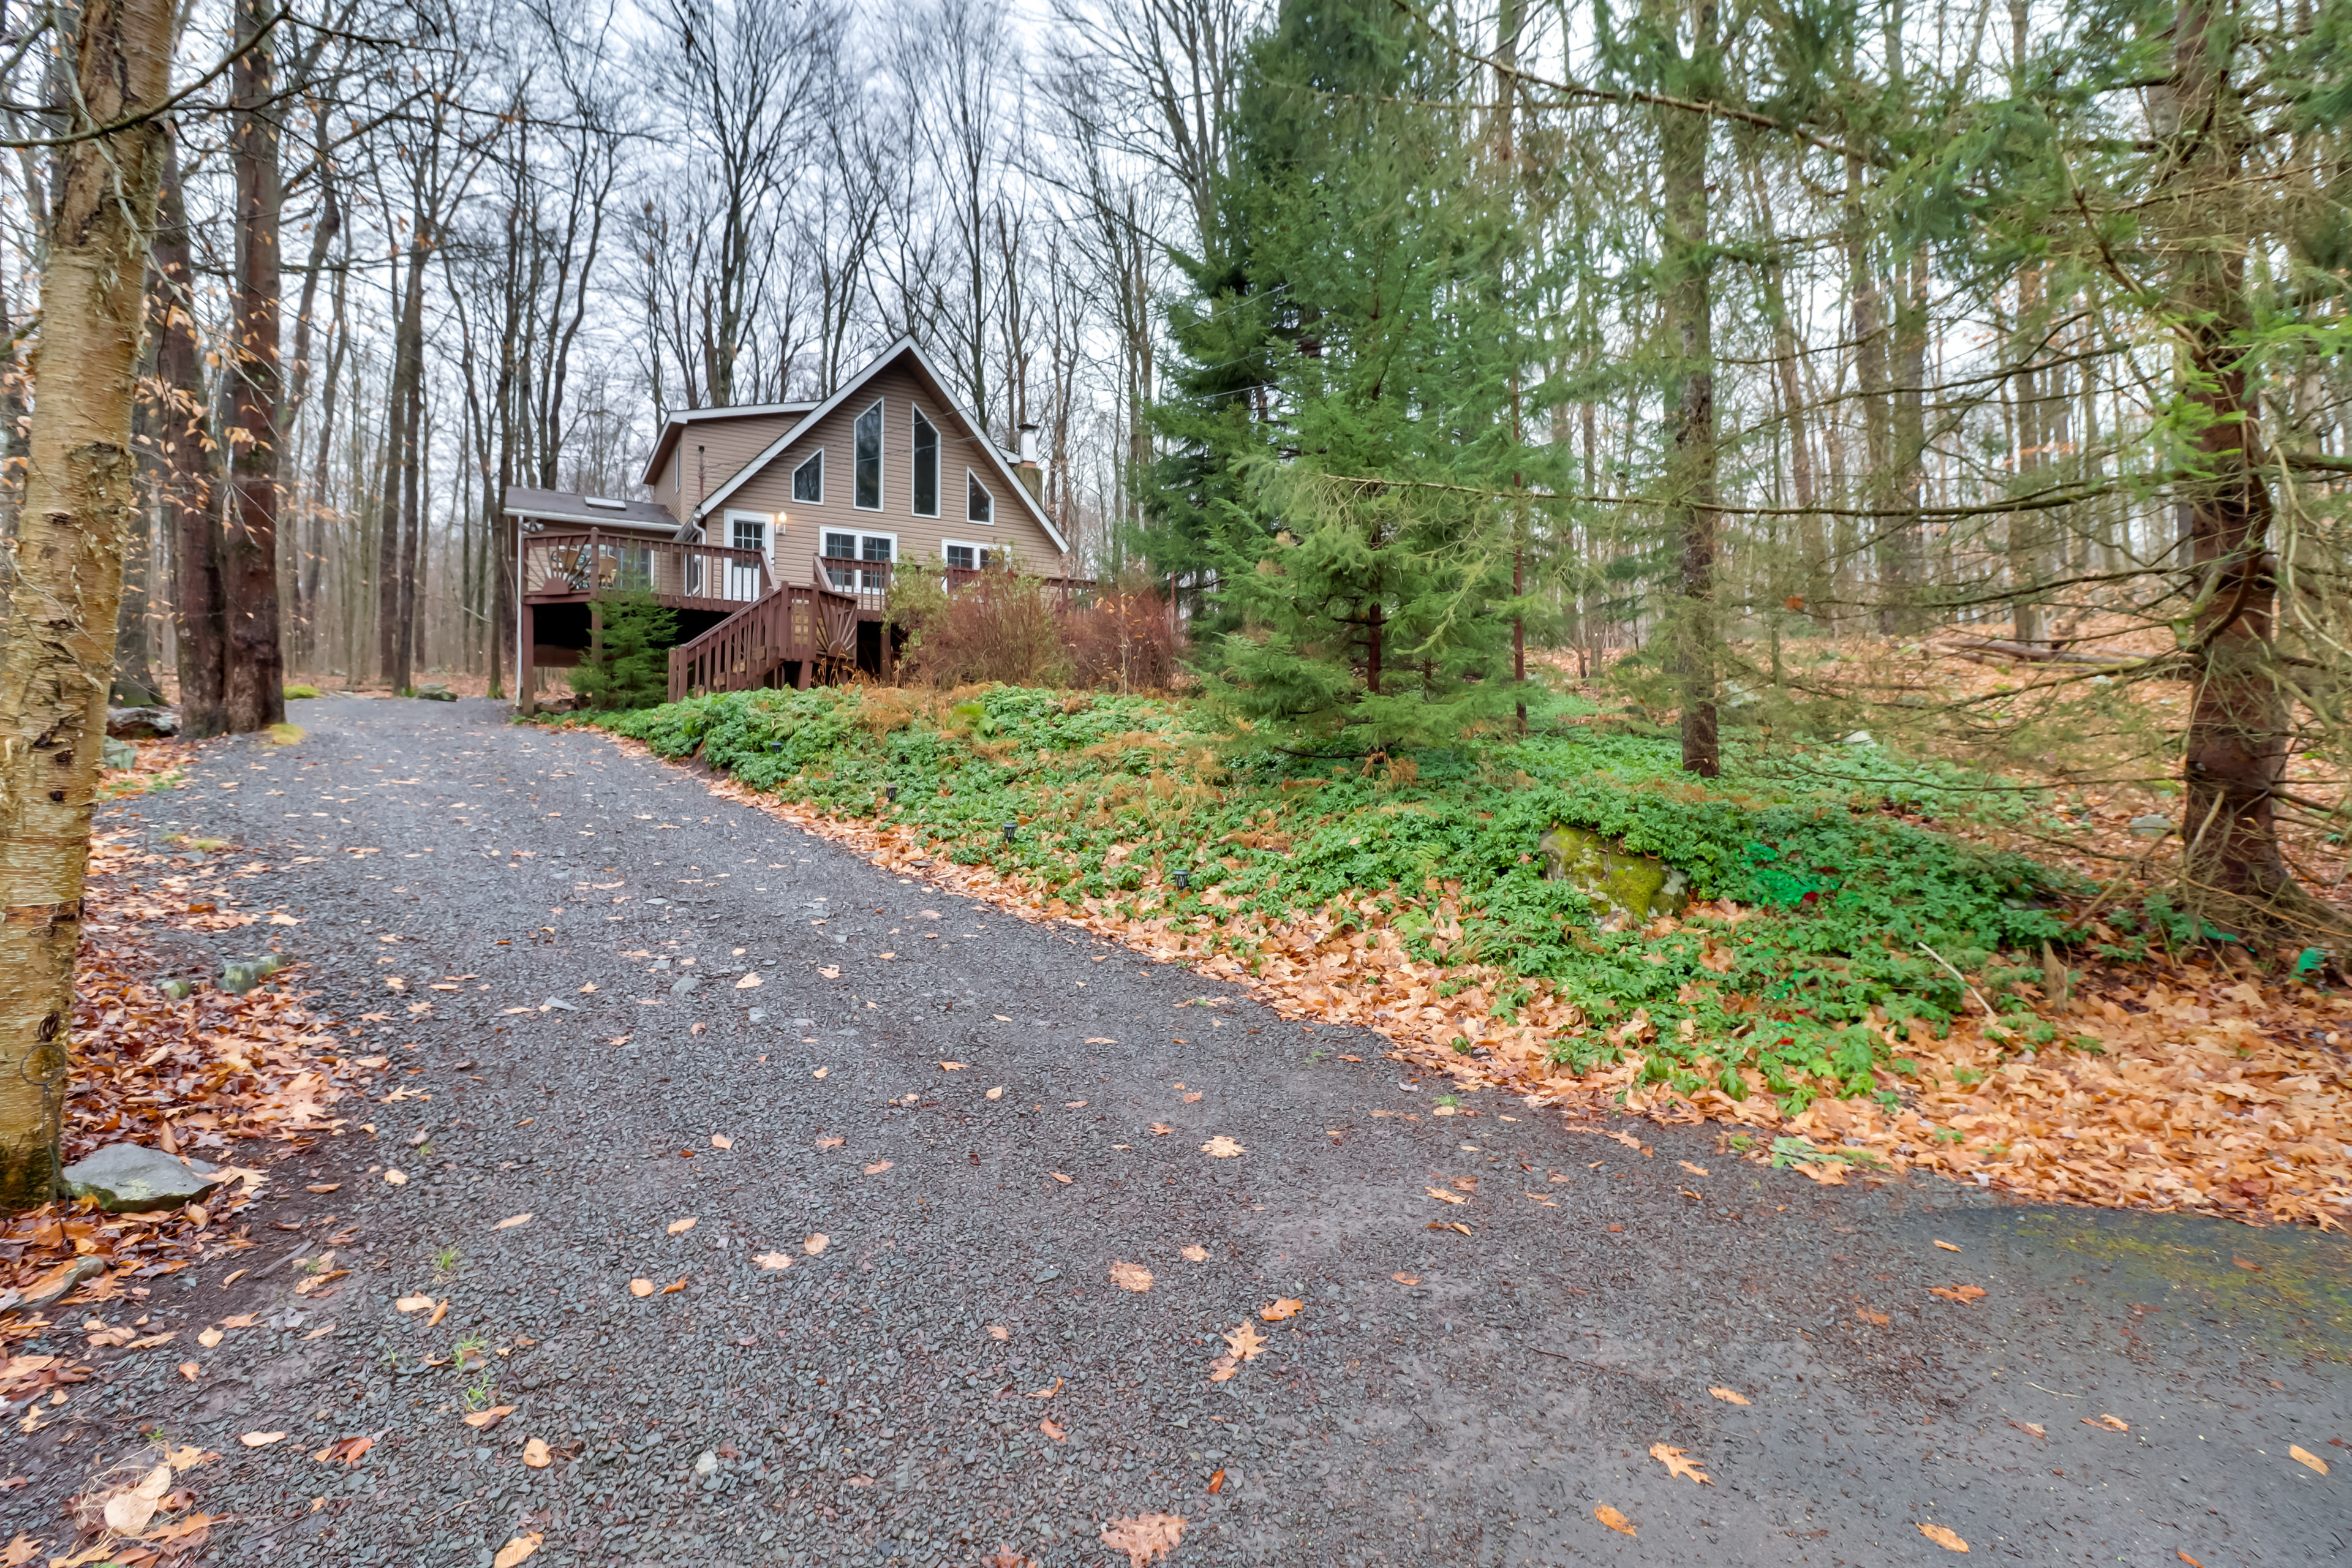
720	1195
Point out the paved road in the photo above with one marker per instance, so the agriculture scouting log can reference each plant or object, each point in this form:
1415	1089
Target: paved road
1442	1397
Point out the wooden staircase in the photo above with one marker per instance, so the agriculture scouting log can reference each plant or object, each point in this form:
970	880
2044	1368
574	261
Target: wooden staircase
812	625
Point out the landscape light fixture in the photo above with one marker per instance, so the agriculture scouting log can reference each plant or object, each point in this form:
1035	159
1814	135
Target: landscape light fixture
890	794
1008	831
1183	881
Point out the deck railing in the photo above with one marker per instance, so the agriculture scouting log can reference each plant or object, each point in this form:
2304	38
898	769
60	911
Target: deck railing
560	566
811	626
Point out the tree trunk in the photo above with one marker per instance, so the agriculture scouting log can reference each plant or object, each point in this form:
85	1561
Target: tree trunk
1690	411
185	415
254	683
2236	746
80	494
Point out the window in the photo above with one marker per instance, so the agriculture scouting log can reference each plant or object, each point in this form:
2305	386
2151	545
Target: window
964	557
868	459
808	479
843	550
927	467
979	505
748	530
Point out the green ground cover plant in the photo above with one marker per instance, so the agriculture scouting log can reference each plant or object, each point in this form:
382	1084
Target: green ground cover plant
1844	890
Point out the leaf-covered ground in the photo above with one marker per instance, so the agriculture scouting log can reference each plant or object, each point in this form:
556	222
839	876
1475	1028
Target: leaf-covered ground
1809	993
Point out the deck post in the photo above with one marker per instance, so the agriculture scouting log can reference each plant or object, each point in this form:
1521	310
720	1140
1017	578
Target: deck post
526	665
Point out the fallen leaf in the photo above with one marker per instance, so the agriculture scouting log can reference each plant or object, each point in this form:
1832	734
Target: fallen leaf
24	1549
1693	1170
720	1140
212	1337
440	1310
1246	1343
1146	1538
2186	1558
829	1143
641	1288
1066	1181
322	1186
672	1290
1442	1196
2252	1267
1867	1316
190	1370
772	1261
2112	1423
395	1178
999	1332
820	1072
2307	1458
1194	1254
1828	1173
510	1223
485	1419
515	1551
1222	1148
1222	1369
1161	1129
2033	1426
1676	1464
952	1067
535	1454
1283	1307
1730	1396
187	1457
1056	1433
997	1093
831	970
878	1166
350	1450
1962	1294
129	1509
1130	1277
814	1244
260	1439
1216	1483
749	983
1193	1098
1048	1392
1613	1520
1943	1537
1948	1246
678	1227
1100	1040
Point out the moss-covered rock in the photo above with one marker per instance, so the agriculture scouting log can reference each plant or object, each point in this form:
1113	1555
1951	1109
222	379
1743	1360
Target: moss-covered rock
1625	888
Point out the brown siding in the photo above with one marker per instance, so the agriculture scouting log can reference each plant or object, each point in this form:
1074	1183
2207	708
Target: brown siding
728	444
920	538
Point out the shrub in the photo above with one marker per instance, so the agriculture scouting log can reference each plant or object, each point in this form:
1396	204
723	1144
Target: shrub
627	661
1124	638
1000	624
293	692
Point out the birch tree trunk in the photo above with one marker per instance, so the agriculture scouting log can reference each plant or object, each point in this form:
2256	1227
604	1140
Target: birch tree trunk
80	493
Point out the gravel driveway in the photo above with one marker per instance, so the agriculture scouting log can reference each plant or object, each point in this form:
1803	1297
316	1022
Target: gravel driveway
947	1365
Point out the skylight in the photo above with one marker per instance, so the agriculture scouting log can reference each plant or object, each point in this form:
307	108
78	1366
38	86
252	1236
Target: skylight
609	505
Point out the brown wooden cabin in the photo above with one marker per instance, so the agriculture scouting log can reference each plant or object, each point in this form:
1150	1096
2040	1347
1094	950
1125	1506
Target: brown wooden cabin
773	530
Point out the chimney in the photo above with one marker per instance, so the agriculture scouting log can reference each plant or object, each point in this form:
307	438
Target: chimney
1030	475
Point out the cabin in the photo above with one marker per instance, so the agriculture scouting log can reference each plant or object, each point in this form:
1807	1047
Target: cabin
773	530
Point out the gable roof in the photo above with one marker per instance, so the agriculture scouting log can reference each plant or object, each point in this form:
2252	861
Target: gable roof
904	347
675	426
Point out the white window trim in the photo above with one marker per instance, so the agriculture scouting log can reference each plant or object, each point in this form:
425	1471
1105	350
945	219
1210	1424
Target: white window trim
881	458
978	547
766	520
972	476
791	484
939	461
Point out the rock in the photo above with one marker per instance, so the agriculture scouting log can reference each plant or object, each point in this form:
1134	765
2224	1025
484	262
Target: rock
1859	737
434	691
683	984
239	976
130	1178
1626	888
708	1463
120	756
177	990
2151	826
758	1015
141	723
